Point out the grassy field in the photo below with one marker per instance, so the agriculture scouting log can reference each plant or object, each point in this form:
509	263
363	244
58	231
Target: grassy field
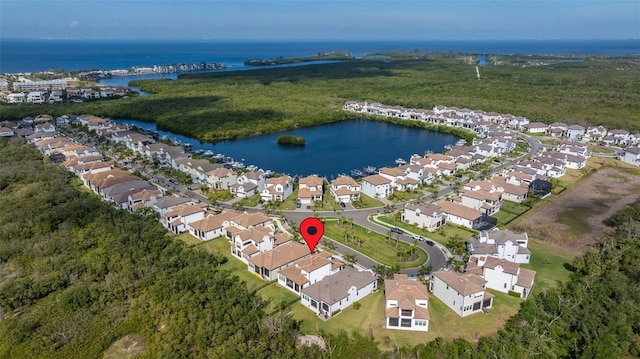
552	265
443	323
375	245
250	201
367	202
508	212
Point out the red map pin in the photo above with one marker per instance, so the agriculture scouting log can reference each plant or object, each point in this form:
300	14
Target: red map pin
311	230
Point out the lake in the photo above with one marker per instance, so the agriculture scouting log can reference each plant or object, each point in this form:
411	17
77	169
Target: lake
330	149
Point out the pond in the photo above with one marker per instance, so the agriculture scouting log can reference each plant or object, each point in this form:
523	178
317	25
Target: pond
330	150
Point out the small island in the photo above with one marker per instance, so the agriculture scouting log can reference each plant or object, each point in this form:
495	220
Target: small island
291	140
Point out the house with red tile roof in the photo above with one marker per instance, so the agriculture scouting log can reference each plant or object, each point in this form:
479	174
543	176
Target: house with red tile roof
406	304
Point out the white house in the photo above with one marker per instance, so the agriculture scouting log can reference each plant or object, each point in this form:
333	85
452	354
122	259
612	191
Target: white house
575	132
167	203
345	189
179	217
338	291
406	303
268	264
6	132
212	226
424	215
535	127
377	186
631	156
459	214
248	184
221	178
464	293
308	271
310	189
277	188
502	244
502	275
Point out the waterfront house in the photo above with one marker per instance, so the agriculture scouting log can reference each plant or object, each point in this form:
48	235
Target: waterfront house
464	293
310	189
502	275
399	179
221	178
277	189
248	184
345	189
501	244
406	303
338	291
427	216
377	186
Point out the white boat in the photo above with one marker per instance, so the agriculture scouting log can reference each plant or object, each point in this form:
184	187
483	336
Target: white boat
370	170
208	153
400	161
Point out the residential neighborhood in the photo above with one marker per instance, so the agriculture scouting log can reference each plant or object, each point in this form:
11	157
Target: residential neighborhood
325	282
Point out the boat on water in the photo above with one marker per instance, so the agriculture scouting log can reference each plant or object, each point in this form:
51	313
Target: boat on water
356	173
461	142
400	161
208	153
370	170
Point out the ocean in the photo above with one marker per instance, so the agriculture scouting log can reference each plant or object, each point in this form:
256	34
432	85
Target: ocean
42	55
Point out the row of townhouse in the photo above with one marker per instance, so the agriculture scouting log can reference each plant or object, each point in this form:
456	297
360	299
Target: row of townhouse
591	134
473	120
32	93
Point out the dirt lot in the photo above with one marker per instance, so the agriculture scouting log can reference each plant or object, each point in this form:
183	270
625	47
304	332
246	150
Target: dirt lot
574	220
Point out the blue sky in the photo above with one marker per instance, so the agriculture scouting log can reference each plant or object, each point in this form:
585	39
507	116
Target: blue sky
320	20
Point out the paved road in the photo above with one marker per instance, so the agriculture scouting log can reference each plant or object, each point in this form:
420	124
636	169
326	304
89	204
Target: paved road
437	258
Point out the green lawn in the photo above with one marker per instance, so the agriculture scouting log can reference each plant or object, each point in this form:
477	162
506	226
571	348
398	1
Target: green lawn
277	296
374	245
443	323
367	202
550	264
400	196
328	202
188	239
509	211
249	202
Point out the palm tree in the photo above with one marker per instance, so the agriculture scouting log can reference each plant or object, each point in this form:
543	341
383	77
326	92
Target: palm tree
350	258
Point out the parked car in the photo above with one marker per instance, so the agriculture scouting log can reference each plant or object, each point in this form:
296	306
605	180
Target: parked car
342	204
397	230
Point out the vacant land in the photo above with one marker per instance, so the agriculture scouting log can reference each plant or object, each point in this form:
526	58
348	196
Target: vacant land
574	219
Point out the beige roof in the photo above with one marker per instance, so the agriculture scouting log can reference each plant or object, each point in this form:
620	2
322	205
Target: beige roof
508	187
280	256
459	210
481	195
311	181
213	222
376	180
146	194
392	171
406	292
342	191
463	283
183	210
283	180
428	209
221	172
294	274
305	193
525	279
251	219
345	181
